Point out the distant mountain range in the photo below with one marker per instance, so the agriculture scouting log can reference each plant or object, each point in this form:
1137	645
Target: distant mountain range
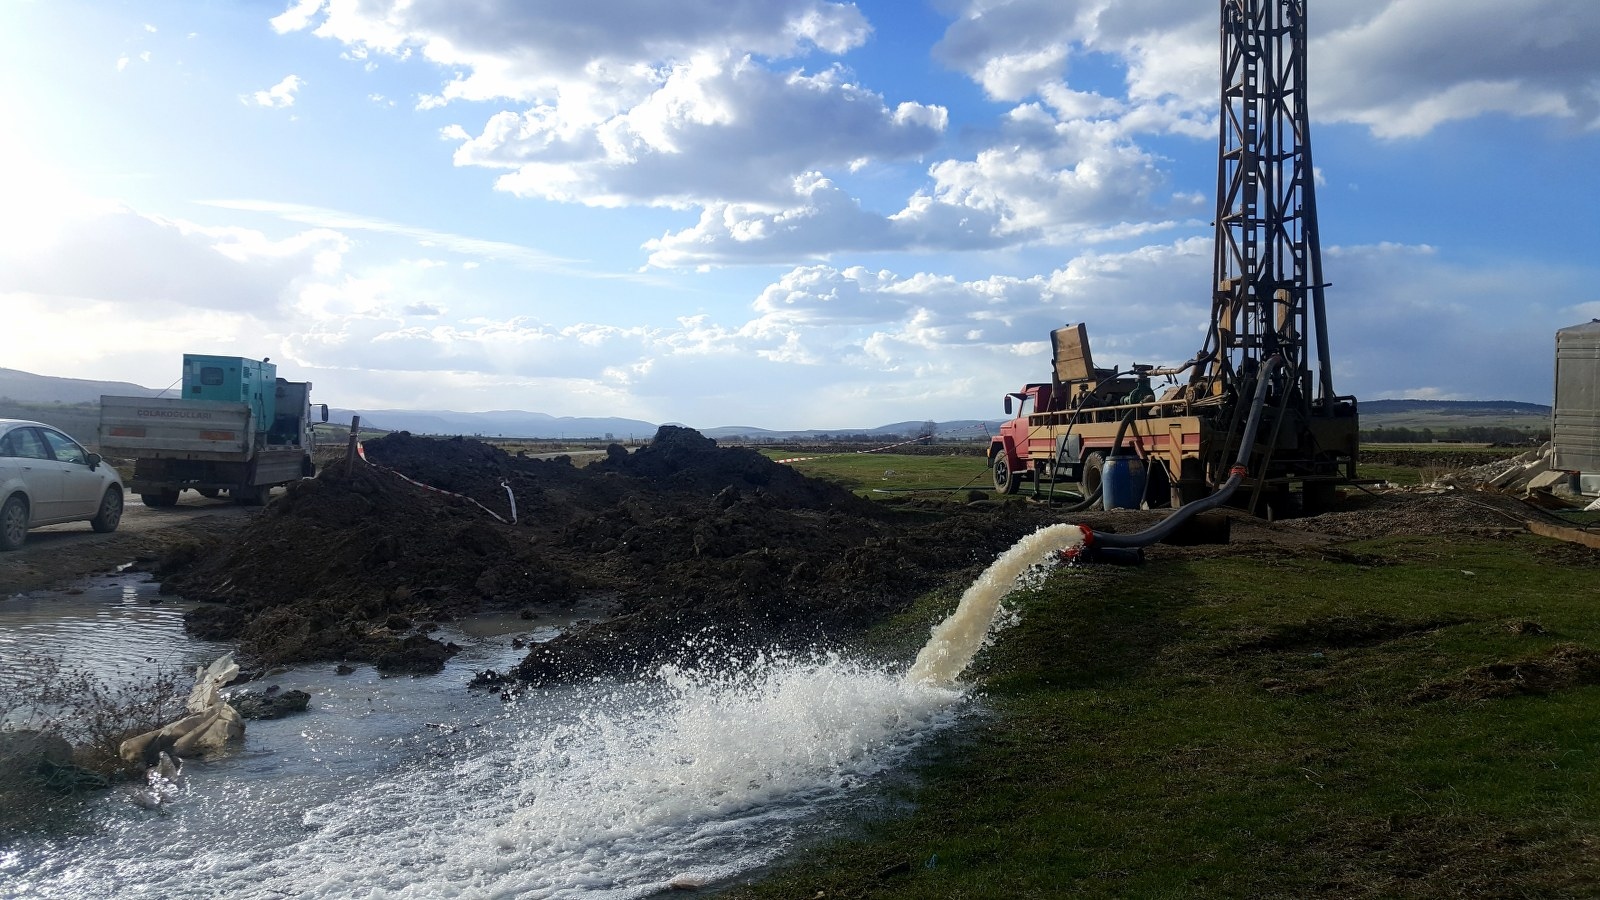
30	388
26	387
1454	407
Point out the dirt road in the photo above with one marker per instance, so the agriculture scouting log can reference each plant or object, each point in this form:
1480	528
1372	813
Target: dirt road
60	553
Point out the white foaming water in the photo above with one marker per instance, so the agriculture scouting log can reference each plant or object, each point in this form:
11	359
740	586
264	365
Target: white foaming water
956	640
596	791
601	790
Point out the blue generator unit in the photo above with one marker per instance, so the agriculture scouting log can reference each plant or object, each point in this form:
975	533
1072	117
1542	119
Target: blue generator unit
233	379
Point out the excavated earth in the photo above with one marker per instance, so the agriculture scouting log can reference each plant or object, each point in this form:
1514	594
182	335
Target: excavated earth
679	545
679	541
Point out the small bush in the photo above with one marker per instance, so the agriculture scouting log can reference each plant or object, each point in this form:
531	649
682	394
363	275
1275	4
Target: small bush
92	713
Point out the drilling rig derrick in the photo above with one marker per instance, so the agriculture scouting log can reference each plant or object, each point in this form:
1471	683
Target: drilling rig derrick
1268	321
1267	283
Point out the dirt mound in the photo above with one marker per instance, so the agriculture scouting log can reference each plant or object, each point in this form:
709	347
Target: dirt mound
685	537
327	568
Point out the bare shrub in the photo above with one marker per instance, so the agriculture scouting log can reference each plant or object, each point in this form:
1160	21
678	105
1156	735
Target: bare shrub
91	712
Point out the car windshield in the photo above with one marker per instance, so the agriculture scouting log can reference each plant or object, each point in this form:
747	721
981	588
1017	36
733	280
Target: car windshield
66	449
24	443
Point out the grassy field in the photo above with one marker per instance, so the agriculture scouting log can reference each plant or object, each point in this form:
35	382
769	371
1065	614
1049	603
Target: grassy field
873	474
1407	717
883	475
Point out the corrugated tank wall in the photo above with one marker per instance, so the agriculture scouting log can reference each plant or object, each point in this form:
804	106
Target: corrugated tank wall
1575	425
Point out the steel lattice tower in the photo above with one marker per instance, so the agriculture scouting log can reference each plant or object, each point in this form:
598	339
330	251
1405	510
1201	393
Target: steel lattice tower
1267	275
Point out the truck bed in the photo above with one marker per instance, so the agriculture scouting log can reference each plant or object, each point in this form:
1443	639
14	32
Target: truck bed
174	428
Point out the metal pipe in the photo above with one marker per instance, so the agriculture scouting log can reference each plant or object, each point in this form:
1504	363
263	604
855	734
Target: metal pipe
1189	510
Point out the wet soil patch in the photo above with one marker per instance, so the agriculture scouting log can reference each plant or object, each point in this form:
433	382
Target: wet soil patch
1338	633
1557	668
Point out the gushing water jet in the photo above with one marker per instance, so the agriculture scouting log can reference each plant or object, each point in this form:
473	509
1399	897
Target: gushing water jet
957	639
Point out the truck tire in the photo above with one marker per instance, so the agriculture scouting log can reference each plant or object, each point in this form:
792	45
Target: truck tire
110	514
1094	467
208	493
160	499
1005	480
13	522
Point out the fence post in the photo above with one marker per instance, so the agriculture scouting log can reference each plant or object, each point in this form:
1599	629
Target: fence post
350	451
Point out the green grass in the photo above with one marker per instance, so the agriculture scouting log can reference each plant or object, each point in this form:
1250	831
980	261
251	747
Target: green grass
905	475
1401	475
1250	725
868	474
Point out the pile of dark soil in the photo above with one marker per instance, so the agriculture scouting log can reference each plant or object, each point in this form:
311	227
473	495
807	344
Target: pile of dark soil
686	538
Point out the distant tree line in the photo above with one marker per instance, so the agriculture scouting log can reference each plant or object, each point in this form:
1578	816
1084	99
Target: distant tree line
1471	434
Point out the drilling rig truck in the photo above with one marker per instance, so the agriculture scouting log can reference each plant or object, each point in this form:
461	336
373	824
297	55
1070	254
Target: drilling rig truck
1180	426
236	428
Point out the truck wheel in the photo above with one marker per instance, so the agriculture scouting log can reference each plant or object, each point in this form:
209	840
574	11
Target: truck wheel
13	522
110	514
1094	467
160	499
1005	480
208	493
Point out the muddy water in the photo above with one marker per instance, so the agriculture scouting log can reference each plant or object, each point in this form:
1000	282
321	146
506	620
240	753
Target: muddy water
957	639
418	788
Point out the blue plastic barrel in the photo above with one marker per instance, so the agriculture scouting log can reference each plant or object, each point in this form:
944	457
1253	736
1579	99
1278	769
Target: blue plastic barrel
1122	482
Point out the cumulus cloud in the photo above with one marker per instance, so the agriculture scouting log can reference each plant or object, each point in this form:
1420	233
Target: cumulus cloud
714	129
280	95
1044	179
639	103
1399	67
822	220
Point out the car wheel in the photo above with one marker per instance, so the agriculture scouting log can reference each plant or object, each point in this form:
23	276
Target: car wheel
110	514
13	522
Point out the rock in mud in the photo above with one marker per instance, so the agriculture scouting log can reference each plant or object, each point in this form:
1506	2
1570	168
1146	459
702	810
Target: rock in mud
264	705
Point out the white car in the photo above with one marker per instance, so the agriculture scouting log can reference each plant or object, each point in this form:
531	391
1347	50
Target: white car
47	478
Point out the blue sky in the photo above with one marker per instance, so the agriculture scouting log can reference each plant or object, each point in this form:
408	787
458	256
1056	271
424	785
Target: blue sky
777	213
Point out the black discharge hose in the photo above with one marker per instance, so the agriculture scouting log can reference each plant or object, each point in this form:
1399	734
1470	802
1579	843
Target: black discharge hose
1189	510
1085	503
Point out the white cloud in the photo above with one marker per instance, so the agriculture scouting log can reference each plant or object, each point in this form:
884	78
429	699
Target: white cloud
114	255
503	251
1399	67
712	129
280	95
638	103
297	16
1042	180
